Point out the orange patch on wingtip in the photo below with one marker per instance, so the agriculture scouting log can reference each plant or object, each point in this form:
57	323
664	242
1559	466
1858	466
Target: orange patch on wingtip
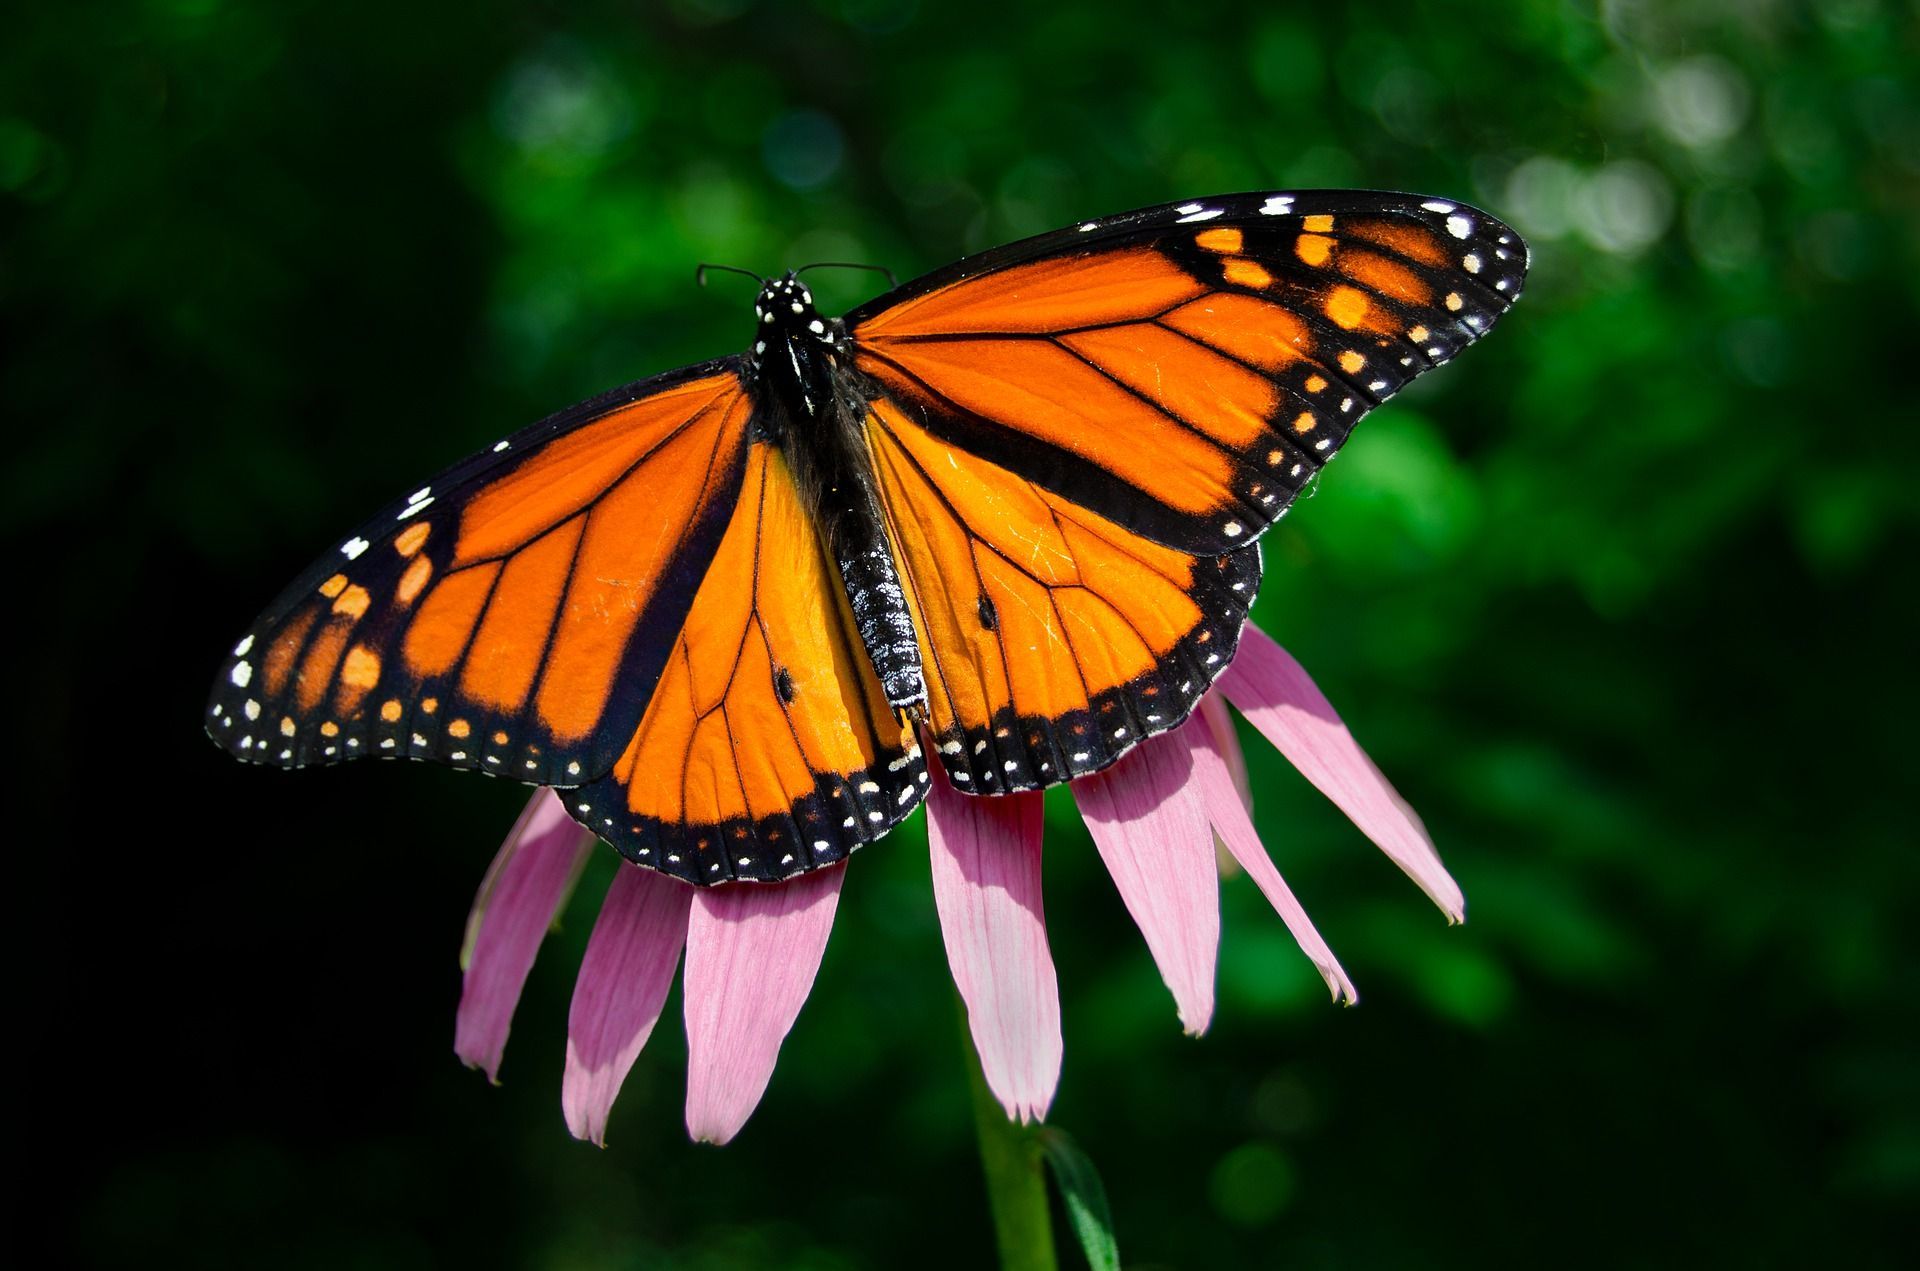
1247	273
500	737
1304	422
361	668
1351	362
1418	334
1249	328
1313	248
414	581
1318	224
1411	241
329	729
429	706
287	727
1388	277
353	602
278	663
316	669
1316	383
333	586
390	710
1225	241
411	538
459	728
1347	306
359	672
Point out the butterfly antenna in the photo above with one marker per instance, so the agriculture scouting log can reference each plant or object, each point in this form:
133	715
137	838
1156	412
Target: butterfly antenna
700	274
847	264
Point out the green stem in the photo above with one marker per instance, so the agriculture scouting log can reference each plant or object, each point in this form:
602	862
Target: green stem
1016	1175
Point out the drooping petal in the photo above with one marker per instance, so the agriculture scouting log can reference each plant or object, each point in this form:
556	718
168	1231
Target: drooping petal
1226	740
528	882
1152	833
752	952
1278	698
1219	722
624	978
1213	779
986	887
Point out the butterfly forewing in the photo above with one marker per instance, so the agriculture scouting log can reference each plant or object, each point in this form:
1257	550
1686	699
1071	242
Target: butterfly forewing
511	615
1186	370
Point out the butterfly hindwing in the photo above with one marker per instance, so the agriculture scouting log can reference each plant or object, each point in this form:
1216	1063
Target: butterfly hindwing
1053	640
768	747
1184	371
513	614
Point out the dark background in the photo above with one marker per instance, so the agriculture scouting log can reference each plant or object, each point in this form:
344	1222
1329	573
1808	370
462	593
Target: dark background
1624	602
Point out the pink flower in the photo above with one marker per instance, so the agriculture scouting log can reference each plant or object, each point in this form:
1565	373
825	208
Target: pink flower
752	951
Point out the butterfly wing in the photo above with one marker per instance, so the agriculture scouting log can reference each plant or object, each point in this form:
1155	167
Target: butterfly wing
1079	437
1053	639
768	747
514	613
1184	371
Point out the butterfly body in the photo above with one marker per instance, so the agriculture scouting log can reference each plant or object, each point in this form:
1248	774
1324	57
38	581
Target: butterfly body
810	401
1010	510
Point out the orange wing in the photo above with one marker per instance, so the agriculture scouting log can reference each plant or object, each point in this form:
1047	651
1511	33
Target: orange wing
1184	371
1053	639
1079	438
768	747
513	614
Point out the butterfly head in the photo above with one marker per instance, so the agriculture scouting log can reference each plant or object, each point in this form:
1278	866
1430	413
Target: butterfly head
785	313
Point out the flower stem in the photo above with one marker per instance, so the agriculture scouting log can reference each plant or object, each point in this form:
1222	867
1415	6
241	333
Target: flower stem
1016	1175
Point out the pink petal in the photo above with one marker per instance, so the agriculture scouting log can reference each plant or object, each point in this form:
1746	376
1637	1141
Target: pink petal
525	887
1226	740
624	978
1152	833
752	952
1213	779
1277	698
1219	722
986	887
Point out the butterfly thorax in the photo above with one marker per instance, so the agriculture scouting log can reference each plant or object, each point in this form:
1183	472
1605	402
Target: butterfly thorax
810	402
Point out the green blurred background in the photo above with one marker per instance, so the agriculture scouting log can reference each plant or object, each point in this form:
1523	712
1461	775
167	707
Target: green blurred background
1623	601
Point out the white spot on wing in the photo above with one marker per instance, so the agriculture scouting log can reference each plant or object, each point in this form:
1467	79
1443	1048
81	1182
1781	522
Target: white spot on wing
1437	206
242	674
240	649
1277	205
1459	226
1199	213
352	548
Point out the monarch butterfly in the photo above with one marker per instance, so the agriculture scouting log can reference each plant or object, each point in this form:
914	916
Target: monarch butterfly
1010	508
